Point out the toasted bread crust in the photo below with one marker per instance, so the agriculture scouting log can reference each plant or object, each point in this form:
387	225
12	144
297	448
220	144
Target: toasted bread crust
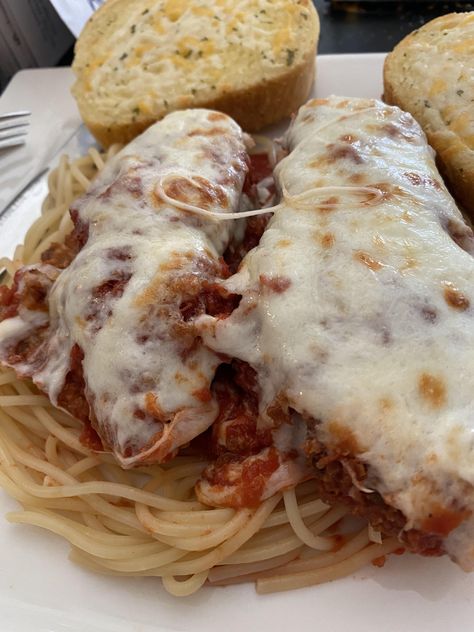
438	90
261	99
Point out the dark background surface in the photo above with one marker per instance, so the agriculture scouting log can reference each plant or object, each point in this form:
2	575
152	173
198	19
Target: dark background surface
374	27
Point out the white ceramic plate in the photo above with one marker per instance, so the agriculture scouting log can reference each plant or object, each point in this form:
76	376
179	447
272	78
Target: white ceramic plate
41	590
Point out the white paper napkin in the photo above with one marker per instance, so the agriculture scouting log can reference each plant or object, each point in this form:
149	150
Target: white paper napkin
54	118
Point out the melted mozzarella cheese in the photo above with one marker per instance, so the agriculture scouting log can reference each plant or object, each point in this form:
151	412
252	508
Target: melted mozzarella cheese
361	315
147	378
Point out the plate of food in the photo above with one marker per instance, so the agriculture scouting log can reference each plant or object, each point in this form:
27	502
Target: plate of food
234	385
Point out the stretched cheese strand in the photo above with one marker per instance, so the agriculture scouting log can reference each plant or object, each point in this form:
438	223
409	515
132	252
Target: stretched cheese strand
306	199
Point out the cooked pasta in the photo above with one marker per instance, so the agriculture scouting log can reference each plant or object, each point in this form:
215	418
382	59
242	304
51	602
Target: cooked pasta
147	521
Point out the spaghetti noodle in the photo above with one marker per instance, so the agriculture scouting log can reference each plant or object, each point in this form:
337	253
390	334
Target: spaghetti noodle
147	521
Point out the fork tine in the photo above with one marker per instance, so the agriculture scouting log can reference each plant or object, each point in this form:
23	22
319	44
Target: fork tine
9	134
13	125
13	128
9	115
13	142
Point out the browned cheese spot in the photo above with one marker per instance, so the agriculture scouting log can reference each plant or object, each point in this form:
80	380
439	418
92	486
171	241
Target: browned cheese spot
343	151
177	261
392	130
197	192
422	180
130	182
327	240
432	390
432	459
386	189
459	232
455	298
348	138
216	116
284	243
367	260
357	178
180	378
398	131
329	204
314	102
151	293
343	439
213	131
80	322
250	305
202	394
153	408
386	404
277	284
334	153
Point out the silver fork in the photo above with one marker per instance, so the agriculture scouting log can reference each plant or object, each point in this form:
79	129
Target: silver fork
13	128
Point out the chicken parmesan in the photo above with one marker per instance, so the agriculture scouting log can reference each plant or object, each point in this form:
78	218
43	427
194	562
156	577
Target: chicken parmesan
356	317
104	325
257	381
